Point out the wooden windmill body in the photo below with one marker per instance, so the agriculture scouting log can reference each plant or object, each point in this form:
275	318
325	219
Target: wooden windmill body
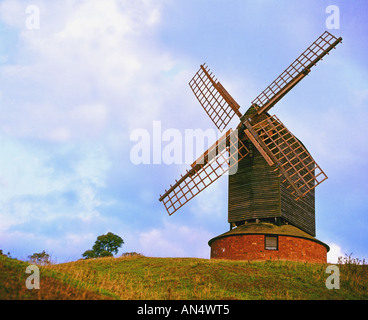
256	193
272	176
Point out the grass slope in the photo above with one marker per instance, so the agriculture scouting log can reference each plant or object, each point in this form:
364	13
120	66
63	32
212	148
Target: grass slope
12	284
147	278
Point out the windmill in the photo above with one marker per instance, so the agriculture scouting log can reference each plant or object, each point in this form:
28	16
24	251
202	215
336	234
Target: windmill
272	176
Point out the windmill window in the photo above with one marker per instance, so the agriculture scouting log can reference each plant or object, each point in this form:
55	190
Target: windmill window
271	242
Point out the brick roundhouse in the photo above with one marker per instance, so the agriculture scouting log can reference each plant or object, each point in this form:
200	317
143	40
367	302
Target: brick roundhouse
267	241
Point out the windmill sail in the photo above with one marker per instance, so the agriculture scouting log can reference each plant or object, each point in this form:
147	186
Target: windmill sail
295	72
293	160
215	100
216	161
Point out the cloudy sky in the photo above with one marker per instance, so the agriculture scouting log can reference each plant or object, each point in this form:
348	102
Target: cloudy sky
80	80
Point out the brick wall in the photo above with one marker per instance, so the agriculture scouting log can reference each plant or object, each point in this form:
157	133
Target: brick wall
252	247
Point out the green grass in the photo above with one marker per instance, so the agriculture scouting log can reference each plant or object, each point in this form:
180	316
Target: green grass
148	278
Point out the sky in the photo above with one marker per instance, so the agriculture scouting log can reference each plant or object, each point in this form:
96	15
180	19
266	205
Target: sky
85	84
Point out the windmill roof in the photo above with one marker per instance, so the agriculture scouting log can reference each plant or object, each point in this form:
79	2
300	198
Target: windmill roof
268	228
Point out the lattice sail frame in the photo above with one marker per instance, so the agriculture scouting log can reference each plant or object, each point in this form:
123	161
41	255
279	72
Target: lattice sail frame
299	167
213	97
219	159
300	66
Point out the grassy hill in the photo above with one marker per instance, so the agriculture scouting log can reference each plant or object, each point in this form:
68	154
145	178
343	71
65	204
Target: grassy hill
148	278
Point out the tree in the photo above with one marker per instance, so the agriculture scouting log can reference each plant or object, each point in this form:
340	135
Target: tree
42	258
105	246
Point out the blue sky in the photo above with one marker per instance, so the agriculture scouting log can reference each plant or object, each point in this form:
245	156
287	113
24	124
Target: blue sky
73	90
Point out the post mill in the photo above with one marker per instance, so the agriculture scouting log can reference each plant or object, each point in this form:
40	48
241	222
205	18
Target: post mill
272	176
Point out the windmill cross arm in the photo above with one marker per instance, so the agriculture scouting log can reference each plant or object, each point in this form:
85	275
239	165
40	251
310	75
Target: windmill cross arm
282	93
258	143
213	150
267	154
229	99
258	146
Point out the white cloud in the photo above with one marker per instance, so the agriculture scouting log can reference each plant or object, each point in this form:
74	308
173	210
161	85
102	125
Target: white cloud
334	253
35	186
90	67
212	201
173	240
13	13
